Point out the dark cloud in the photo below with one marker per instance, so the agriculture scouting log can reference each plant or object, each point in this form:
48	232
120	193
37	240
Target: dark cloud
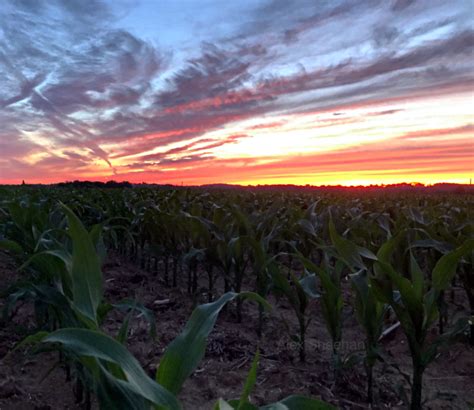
216	73
385	36
112	71
87	11
61	163
400	5
186	159
385	112
320	15
76	156
202	144
84	10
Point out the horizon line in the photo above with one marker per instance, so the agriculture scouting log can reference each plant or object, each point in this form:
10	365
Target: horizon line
379	185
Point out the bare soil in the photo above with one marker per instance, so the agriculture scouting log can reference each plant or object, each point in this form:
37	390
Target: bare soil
37	382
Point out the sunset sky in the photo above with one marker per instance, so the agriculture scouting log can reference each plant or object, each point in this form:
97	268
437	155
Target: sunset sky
249	91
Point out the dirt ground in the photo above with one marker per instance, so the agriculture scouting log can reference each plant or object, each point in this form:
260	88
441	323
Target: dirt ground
36	382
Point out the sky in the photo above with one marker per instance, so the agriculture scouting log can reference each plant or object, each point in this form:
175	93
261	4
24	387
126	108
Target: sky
246	92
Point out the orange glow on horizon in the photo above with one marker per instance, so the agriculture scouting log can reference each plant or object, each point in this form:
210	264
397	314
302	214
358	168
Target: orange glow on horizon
366	144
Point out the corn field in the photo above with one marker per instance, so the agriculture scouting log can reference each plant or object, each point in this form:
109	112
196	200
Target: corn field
293	266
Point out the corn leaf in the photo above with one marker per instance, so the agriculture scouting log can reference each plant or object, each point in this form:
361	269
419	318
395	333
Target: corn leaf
297	402
348	251
184	353
85	269
445	268
94	344
249	383
8	245
223	405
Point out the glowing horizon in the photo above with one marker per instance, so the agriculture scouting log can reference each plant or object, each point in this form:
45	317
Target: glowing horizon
282	96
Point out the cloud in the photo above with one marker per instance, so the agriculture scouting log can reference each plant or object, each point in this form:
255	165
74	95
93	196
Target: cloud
71	71
187	152
378	163
274	124
460	45
110	72
80	86
319	16
214	74
400	5
13	145
209	93
440	132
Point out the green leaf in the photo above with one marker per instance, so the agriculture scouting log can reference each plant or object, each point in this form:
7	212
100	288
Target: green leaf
249	382
184	353
308	284
417	277
307	226
223	405
347	250
60	254
281	285
445	268
297	402
388	248
98	241
416	215
85	270
412	302
461	326
360	284
48	295
8	245
442	247
92	343
366	253
31	340
132	306
123	331
51	262
113	393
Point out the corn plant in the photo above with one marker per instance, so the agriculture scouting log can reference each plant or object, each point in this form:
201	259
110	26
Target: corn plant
238	237
299	293
331	303
417	308
370	312
294	402
75	301
119	380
